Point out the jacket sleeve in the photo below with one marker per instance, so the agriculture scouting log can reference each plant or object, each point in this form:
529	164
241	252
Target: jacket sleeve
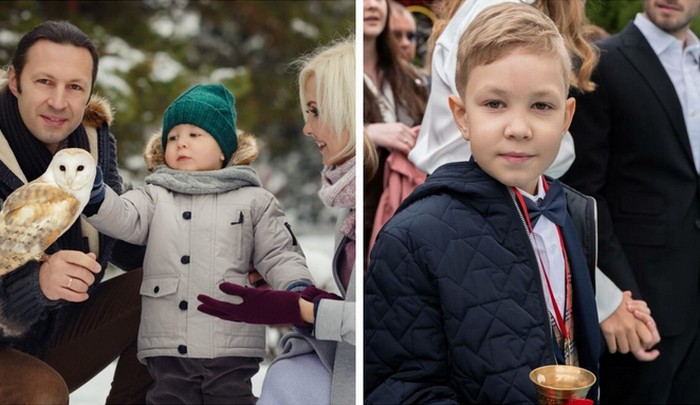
108	162
591	129
405	344
277	254
126	217
335	319
124	255
22	304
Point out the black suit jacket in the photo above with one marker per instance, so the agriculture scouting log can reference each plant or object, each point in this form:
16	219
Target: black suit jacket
633	155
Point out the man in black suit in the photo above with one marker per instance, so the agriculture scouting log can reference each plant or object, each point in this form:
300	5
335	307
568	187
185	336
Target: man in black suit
637	139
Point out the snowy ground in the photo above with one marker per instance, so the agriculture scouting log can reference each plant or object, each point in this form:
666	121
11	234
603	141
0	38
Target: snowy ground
318	249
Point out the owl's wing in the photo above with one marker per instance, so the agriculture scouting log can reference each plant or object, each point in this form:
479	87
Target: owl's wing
34	191
32	218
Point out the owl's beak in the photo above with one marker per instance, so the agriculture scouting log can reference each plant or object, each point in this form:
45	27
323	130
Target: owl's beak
71	184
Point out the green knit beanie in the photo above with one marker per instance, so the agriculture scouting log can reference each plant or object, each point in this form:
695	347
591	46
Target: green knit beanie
210	107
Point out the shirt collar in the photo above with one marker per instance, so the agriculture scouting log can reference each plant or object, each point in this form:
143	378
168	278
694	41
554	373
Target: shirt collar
661	40
540	191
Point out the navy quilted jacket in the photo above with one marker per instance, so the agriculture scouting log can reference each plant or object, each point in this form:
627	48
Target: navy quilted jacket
454	305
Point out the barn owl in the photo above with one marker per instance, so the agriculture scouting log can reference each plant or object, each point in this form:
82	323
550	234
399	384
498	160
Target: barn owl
39	212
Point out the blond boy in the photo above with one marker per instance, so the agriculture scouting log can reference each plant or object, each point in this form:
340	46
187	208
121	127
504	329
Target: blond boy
481	276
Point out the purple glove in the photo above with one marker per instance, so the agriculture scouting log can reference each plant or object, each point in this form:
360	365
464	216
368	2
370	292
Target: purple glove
313	294
261	306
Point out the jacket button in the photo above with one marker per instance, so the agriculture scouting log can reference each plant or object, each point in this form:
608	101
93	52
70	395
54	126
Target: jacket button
697	223
156	289
187	215
185	259
183	305
182	349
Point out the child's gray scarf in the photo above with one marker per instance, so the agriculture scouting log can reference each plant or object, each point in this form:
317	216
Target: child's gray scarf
204	182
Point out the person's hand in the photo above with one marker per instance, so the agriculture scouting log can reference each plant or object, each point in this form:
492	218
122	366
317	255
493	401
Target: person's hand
311	296
97	194
260	306
255	279
631	329
394	136
67	274
642	312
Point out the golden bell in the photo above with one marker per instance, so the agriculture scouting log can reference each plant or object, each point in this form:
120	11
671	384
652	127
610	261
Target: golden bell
557	384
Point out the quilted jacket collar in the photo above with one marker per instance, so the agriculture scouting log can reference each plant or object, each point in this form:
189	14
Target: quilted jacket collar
465	178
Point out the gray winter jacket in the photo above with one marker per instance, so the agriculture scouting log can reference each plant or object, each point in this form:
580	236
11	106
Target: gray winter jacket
201	229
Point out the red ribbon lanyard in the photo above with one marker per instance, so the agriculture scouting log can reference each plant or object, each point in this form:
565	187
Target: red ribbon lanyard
557	312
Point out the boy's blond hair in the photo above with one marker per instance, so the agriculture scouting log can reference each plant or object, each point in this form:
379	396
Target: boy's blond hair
501	29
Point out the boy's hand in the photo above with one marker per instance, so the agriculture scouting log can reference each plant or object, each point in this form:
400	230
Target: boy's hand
631	329
255	279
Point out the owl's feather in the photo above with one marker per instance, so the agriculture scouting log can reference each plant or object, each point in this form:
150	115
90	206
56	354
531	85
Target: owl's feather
38	215
35	215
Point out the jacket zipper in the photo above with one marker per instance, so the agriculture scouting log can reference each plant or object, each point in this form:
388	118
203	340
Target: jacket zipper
533	256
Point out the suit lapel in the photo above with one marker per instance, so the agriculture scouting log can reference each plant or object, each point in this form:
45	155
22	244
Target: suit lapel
643	58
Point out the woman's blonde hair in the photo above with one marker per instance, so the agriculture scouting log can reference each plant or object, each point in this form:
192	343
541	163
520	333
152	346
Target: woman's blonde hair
333	68
570	19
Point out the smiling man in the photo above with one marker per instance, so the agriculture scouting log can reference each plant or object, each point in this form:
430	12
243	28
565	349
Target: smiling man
59	324
52	89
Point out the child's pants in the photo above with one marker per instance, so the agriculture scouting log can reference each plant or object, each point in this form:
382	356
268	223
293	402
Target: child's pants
223	380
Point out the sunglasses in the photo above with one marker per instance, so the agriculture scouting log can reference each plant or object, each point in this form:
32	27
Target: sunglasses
410	35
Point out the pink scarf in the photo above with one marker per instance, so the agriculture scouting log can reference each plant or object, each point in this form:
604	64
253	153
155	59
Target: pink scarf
338	190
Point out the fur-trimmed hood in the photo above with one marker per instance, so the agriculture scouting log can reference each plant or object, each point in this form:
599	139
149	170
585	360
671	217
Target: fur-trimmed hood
245	154
98	112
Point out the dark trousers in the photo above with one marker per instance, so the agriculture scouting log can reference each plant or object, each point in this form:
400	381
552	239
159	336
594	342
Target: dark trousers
103	328
222	380
674	377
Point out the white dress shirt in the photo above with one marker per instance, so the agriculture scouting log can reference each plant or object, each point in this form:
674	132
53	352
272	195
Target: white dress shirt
680	60
549	251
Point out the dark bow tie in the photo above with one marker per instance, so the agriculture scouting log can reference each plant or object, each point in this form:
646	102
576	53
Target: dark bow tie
553	207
